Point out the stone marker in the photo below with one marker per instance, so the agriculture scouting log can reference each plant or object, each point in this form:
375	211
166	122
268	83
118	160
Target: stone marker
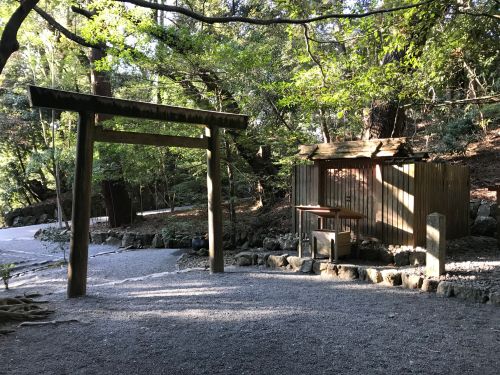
436	245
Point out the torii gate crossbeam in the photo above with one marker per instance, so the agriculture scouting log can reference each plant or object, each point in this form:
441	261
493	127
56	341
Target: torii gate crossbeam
88	133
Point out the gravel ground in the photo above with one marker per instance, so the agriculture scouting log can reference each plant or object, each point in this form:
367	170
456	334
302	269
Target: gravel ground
247	323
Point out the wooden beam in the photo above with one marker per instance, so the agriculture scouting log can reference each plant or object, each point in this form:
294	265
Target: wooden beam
78	256
111	136
76	102
215	250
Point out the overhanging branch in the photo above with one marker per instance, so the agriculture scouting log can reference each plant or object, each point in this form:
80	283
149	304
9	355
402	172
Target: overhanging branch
271	21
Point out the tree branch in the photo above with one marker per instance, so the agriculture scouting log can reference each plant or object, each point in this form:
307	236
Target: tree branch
8	42
479	100
68	34
83	12
270	21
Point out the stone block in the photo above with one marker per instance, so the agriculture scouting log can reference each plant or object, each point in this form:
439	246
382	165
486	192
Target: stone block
246	258
98	237
487	209
307	265
113	241
295	262
402	258
271	244
484	226
348	272
373	275
275	261
319	267
470	293
128	240
445	289
385	256
332	270
417	258
411	281
430	285
391	277
436	245
494	298
157	242
362	273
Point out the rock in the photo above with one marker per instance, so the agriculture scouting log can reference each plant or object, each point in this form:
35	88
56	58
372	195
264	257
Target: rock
474	205
494	298
128	240
484	226
411	281
30	220
445	289
348	272
417	258
332	270
246	258
391	277
202	252
157	242
430	285
385	255
487	209
362	273
288	242
113	241
373	275
43	218
262	257
144	239
18	221
369	253
295	262
98	237
271	244
275	261
307	265
319	267
470	293
402	258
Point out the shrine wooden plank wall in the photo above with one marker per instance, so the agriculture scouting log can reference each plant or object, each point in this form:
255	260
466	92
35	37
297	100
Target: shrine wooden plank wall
395	198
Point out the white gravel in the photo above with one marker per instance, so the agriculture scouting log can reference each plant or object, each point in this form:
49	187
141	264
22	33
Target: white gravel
251	322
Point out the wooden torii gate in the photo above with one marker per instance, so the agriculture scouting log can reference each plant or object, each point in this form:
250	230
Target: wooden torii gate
87	133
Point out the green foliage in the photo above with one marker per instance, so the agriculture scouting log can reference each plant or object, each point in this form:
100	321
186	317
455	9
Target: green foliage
456	133
5	273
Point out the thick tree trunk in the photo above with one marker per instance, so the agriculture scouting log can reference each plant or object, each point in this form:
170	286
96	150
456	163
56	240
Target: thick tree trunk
8	42
118	204
384	120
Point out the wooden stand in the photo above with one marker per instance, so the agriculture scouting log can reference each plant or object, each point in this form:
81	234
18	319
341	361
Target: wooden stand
324	212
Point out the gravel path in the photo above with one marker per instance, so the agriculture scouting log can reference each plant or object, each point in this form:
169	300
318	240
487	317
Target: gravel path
251	323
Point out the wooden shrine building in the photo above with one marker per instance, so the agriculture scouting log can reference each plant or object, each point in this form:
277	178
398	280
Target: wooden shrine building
392	186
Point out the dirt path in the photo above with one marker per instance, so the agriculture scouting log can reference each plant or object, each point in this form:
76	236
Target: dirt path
252	323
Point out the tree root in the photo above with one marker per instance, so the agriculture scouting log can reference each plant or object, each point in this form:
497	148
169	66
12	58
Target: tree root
22	309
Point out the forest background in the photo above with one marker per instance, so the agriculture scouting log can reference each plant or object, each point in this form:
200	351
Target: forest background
305	72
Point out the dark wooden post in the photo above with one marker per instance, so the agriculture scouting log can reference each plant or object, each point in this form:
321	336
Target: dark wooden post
78	257
215	250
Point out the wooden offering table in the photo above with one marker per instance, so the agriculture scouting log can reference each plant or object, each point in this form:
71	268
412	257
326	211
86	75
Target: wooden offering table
333	239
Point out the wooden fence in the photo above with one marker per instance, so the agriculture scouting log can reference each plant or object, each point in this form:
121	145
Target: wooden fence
395	198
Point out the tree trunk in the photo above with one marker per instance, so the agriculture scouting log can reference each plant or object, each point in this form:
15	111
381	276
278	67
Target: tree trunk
117	201
384	120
